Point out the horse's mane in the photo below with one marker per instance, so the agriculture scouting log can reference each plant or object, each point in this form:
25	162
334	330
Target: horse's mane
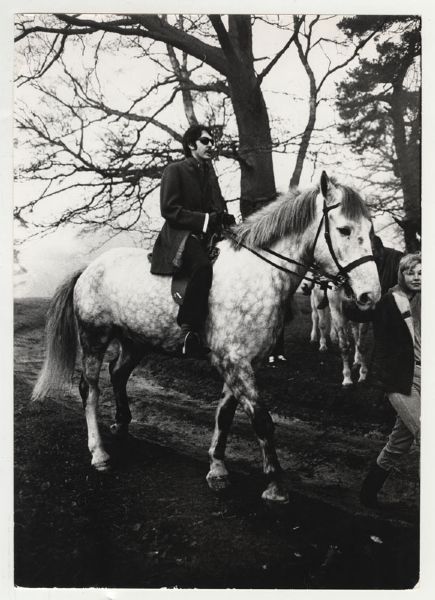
292	213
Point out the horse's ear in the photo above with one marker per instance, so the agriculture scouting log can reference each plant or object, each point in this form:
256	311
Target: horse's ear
324	182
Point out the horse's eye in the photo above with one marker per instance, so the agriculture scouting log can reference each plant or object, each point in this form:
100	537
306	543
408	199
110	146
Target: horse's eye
344	230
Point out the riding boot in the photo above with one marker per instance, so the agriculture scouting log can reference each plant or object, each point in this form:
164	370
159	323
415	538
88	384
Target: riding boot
372	484
193	346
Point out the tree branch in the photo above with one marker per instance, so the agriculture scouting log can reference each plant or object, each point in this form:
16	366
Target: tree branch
355	53
275	59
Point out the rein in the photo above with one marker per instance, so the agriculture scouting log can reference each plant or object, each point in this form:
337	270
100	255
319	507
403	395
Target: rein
320	276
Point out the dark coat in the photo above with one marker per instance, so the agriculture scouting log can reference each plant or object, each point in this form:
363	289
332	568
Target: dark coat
387	261
393	356
187	192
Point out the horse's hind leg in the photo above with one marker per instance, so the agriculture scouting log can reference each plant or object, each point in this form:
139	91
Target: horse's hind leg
120	370
94	342
240	379
217	477
360	333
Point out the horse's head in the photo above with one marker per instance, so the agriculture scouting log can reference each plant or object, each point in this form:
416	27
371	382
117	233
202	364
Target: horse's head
343	244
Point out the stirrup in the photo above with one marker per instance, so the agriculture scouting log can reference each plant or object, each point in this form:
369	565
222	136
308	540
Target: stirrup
192	346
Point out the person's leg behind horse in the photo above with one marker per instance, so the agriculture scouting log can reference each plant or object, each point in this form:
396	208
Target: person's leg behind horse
277	354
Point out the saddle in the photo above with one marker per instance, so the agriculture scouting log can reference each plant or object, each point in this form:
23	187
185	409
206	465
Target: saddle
181	278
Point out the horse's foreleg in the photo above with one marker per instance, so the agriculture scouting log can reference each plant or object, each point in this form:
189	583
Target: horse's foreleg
314	326
264	429
93	352
333	336
120	370
241	381
323	326
217	477
340	326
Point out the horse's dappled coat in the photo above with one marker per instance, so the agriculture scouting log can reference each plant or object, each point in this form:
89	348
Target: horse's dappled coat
113	291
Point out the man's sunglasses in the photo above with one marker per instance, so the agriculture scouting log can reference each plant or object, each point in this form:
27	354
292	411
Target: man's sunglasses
206	141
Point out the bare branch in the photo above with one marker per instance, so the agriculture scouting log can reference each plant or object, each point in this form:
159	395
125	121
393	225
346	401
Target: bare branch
276	58
346	62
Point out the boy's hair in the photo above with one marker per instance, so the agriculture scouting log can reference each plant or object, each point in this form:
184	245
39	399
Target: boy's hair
406	263
192	135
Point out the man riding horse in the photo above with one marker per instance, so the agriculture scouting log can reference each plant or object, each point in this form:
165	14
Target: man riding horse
193	208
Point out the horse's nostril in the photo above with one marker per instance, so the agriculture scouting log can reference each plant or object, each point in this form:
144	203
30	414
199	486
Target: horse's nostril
364	298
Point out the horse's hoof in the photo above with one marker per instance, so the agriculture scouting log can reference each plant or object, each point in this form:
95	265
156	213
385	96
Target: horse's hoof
347	384
275	495
323	349
119	430
218	483
101	463
102	467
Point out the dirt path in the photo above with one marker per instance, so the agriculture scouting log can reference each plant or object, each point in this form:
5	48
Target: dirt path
153	522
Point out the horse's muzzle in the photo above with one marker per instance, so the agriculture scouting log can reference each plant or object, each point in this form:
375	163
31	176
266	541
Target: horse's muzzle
365	300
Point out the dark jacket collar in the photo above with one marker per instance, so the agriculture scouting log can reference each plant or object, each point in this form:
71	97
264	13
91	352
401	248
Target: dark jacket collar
201	165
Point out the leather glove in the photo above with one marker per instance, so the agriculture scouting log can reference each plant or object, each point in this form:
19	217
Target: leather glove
228	220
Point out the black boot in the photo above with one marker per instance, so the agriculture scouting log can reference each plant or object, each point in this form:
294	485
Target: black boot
193	346
372	484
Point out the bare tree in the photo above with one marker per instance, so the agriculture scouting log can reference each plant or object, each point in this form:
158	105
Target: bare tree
226	50
108	154
306	42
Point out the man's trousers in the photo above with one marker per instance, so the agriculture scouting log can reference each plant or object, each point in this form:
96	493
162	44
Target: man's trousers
197	266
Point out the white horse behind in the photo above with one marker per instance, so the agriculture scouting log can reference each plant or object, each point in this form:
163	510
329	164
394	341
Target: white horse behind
350	336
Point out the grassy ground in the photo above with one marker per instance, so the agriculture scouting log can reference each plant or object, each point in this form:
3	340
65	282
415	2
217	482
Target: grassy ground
152	521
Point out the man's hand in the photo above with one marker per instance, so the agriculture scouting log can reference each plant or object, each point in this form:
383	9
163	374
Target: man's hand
218	221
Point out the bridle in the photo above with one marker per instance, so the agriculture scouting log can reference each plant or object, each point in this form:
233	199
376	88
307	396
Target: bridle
340	279
319	276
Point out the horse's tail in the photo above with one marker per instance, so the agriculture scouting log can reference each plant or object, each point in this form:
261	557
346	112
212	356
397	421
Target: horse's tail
61	341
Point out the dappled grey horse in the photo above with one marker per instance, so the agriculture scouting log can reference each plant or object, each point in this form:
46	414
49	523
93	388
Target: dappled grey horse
116	297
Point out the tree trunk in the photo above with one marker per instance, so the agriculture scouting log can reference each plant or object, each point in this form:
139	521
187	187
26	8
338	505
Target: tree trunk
257	180
409	169
257	183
